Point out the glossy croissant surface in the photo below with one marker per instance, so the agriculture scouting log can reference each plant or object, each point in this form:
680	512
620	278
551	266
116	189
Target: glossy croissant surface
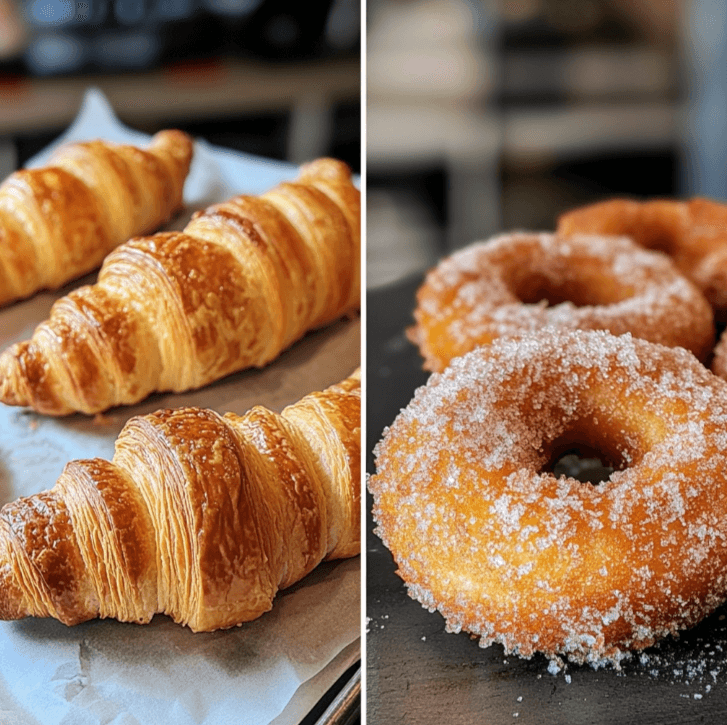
199	516
177	310
59	221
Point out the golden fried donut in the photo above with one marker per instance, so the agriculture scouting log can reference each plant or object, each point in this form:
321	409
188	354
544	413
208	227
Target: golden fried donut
693	233
484	533
518	283
719	361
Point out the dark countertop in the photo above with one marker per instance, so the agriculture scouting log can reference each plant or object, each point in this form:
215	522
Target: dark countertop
417	673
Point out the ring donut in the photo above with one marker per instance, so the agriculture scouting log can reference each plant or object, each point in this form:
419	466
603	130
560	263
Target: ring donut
719	361
693	233
520	283
482	531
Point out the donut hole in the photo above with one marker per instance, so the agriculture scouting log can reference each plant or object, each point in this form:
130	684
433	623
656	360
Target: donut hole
587	290
551	294
587	455
587	468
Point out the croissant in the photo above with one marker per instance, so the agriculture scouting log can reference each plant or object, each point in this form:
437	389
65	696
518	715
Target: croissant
177	310
59	222
198	516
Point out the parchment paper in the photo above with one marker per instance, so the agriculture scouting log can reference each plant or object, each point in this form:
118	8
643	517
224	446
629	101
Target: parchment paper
274	668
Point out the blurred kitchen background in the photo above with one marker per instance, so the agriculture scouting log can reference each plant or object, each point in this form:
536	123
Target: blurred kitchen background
490	115
267	77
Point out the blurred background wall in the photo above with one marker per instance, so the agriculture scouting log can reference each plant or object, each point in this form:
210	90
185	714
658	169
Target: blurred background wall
267	77
487	115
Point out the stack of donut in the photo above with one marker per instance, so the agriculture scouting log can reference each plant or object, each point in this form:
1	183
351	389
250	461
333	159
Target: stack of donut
541	344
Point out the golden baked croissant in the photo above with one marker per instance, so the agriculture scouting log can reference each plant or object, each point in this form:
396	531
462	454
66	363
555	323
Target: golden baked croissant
177	310
59	222
198	516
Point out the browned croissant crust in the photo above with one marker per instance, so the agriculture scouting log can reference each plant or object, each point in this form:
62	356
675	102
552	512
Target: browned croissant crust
59	222
177	310
198	516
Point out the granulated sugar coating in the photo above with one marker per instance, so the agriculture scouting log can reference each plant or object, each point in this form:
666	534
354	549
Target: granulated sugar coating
484	533
692	232
519	283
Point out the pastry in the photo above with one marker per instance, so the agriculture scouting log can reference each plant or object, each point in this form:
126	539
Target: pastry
178	310
693	233
522	282
59	221
199	516
481	528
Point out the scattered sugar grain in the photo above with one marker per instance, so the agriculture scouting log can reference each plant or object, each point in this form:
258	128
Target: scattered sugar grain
554	668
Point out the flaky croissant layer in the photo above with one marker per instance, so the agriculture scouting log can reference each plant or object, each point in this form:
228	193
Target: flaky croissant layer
199	516
59	221
177	310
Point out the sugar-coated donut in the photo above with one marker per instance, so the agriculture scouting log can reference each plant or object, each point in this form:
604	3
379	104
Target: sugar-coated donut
484	533
522	282
693	233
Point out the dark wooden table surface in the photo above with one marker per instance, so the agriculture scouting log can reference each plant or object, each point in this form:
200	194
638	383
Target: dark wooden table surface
419	674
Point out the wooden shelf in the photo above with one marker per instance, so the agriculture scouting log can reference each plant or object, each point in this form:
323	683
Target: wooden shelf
186	92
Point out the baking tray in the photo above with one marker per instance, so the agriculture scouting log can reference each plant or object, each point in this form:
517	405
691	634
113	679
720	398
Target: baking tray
274	669
418	673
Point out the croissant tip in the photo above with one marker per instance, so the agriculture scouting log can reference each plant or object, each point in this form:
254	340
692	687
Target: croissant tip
173	138
326	168
10	394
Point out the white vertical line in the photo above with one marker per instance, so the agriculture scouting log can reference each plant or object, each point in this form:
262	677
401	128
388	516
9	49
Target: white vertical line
364	386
